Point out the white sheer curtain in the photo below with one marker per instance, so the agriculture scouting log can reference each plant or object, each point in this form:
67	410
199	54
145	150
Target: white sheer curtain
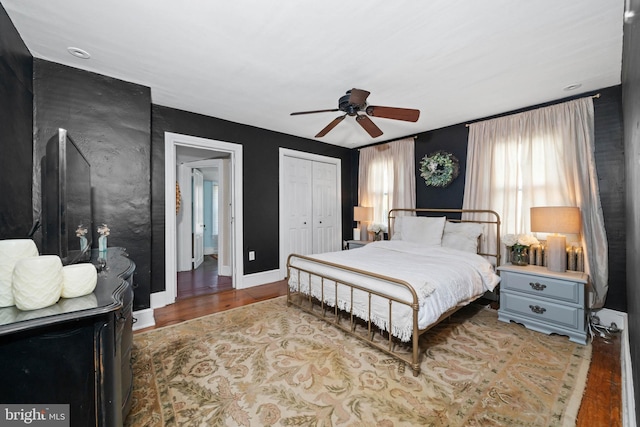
543	157
386	177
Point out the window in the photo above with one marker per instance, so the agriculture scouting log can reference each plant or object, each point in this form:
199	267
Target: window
386	178
542	157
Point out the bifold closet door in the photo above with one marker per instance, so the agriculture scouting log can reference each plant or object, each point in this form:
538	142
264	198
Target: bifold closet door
311	206
325	208
298	204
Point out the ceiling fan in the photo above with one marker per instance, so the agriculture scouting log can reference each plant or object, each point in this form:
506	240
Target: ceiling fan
354	103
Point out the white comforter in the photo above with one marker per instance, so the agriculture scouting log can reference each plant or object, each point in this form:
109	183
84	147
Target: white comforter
442	278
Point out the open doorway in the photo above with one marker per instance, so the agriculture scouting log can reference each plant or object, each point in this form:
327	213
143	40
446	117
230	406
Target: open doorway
204	225
183	155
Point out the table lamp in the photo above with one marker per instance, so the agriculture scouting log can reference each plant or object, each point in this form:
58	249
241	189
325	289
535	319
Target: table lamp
362	215
556	220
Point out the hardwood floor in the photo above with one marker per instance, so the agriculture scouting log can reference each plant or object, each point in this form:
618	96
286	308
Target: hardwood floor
190	308
601	403
602	400
202	281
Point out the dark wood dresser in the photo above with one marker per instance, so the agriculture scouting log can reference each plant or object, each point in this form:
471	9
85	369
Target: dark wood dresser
76	352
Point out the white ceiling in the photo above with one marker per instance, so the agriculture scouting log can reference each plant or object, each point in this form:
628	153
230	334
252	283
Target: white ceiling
256	61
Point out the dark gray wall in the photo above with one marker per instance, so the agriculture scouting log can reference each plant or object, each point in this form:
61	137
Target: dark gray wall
260	181
109	120
16	127
452	139
609	154
631	113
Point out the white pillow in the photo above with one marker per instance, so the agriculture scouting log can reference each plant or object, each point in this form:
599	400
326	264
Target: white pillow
423	230
397	228
462	236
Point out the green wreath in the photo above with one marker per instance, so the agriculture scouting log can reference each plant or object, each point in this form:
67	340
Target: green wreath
439	168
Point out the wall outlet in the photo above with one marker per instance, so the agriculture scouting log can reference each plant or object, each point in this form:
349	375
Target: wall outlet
252	255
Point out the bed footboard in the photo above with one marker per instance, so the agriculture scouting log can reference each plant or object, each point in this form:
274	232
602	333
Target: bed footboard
332	299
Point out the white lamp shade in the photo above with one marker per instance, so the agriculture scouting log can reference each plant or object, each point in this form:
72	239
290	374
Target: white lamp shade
37	282
362	213
556	219
10	252
79	280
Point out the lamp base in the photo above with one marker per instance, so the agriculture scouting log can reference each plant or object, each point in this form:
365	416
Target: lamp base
364	232
556	253
356	234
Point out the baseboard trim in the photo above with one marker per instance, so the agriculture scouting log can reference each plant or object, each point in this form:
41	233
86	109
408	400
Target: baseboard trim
607	317
158	299
143	319
261	278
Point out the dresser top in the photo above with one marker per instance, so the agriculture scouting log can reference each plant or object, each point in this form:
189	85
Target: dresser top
106	297
535	270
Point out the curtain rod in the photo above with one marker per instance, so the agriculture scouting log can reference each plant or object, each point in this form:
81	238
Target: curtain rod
597	95
386	142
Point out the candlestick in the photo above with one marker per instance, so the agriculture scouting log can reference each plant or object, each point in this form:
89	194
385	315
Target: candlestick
571	259
579	259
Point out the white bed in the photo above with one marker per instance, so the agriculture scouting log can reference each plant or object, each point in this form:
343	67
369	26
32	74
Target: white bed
430	268
442	278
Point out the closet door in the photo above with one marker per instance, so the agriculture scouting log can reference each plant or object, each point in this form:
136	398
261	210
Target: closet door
298	200
325	208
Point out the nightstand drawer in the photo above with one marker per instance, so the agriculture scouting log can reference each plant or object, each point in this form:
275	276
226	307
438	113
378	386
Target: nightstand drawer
564	290
542	310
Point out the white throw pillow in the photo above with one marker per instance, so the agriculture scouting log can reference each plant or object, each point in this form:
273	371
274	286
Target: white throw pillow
462	236
423	230
397	228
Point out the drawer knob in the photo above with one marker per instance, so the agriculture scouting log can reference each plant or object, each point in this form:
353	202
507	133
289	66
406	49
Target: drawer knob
537	286
537	309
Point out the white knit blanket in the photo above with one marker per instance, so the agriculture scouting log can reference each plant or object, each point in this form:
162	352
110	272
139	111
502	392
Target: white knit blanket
442	278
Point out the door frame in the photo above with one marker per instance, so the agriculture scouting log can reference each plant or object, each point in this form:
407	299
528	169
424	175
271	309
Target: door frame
171	142
286	152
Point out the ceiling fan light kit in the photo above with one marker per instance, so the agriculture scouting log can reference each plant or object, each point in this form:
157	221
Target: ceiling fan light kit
354	103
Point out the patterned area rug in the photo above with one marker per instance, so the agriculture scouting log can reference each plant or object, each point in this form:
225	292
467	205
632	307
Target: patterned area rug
267	364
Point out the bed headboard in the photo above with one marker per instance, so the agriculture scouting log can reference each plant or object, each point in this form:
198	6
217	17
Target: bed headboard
487	246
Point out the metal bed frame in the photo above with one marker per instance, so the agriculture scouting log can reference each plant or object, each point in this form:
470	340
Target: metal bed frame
364	328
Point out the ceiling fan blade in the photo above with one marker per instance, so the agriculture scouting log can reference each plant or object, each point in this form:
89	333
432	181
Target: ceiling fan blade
406	114
358	96
368	125
330	126
312	112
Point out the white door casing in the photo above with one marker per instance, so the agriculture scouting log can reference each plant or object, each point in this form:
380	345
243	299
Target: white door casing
172	141
198	217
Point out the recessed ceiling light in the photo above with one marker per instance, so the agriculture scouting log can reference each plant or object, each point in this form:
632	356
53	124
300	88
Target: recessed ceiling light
79	53
572	87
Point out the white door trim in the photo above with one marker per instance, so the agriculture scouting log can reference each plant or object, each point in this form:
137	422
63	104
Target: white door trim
171	141
282	153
